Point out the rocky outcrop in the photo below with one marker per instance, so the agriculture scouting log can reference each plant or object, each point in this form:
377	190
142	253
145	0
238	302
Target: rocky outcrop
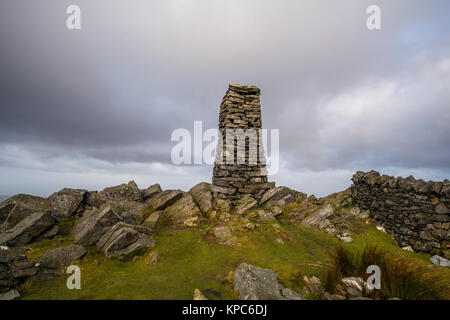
18	207
223	235
10	295
245	204
106	229
202	196
14	268
153	219
339	199
51	263
36	226
150	192
62	256
94	224
321	220
254	283
280	196
115	195
66	202
414	212
164	199
123	239
325	218
183	211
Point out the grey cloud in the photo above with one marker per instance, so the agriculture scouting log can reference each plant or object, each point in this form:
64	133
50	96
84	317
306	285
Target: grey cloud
112	93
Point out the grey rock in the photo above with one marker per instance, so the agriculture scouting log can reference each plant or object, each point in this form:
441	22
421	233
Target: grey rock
10	295
164	199
254	283
152	220
345	239
244	204
115	195
67	201
441	209
183	209
440	261
62	256
250	226
150	191
20	206
123	239
230	242
202	196
280	196
50	233
353	293
27	229
222	233
265	216
93	224
320	219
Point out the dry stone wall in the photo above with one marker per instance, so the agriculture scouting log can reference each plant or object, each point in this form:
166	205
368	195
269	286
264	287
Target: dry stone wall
245	174
414	212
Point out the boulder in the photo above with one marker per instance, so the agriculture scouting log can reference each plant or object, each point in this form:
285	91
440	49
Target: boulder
18	207
115	195
265	216
408	248
150	192
254	283
354	282
62	256
222	205
440	261
345	239
280	196
222	233
339	199
67	201
191	222
93	224
27	230
152	220
182	210
5	208
14	268
164	199
244	204
130	208
123	239
320	219
10	295
202	196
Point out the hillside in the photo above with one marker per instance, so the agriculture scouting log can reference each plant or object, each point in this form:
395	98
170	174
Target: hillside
153	244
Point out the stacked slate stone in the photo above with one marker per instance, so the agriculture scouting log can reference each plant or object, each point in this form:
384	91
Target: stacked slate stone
414	212
243	175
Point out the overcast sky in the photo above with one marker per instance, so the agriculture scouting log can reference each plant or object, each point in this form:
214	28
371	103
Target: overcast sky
96	107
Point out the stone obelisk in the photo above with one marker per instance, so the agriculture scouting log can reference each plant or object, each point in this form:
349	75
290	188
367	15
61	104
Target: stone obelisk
240	165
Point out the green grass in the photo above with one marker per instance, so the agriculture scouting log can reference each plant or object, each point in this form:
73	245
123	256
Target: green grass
401	277
188	259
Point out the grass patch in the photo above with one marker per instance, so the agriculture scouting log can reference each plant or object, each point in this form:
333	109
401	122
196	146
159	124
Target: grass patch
188	260
401	277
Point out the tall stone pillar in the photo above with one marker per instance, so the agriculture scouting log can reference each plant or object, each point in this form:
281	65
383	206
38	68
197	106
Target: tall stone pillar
240	165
